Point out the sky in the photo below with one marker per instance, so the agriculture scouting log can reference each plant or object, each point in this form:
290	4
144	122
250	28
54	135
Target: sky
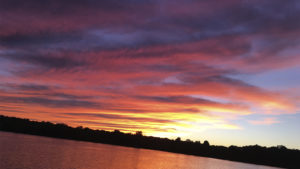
222	71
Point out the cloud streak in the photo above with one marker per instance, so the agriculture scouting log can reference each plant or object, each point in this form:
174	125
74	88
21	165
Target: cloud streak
265	121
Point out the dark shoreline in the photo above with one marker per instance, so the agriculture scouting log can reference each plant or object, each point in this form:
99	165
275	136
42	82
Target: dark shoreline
278	156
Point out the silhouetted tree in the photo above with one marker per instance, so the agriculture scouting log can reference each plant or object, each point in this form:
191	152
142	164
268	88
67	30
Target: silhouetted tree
178	139
139	133
206	143
282	147
117	131
188	140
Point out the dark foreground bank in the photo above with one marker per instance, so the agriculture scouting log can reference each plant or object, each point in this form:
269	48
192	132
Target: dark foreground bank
278	156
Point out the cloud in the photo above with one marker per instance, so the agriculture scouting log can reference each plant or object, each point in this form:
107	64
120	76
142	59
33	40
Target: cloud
49	102
265	121
26	87
163	65
44	60
118	116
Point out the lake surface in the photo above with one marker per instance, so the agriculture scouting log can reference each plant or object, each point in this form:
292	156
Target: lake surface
19	151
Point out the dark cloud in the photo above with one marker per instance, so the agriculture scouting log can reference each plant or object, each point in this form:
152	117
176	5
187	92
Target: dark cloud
114	116
38	90
88	25
47	102
66	15
61	7
195	78
26	87
164	68
176	99
39	39
46	60
137	26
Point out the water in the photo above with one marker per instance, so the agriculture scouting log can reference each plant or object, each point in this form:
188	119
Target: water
19	151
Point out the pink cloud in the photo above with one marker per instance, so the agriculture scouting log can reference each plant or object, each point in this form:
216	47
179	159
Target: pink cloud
265	121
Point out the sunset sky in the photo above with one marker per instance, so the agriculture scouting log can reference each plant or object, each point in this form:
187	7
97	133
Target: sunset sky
226	71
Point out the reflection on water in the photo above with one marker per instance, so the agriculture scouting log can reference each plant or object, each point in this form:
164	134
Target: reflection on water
18	151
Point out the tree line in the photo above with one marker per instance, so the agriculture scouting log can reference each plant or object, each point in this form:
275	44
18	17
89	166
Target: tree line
279	156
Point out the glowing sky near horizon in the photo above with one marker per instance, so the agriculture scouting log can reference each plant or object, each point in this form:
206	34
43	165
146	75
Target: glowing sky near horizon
223	71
